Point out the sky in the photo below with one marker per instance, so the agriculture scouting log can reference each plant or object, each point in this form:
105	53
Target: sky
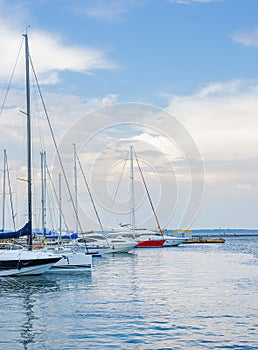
177	79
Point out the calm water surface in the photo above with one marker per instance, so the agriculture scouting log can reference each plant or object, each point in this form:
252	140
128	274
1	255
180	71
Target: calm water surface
188	297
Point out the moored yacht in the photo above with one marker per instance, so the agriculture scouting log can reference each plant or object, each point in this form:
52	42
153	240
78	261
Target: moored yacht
143	238
99	244
72	261
18	262
22	262
173	241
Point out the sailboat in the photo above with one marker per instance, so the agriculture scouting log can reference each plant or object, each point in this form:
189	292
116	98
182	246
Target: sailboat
25	261
97	243
72	260
144	239
155	238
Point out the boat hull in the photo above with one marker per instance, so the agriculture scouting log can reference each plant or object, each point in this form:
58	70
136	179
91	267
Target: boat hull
173	241
151	243
25	263
71	262
115	248
98	251
90	250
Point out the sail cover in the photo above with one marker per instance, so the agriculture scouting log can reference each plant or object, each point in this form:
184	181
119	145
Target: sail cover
24	231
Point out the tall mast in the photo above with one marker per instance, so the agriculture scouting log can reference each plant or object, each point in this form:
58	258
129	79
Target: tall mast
27	65
4	192
60	210
75	188
132	194
148	193
43	192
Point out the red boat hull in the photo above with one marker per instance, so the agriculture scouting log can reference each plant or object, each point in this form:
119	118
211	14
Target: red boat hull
151	243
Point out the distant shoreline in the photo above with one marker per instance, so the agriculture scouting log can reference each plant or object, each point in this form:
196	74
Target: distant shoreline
202	234
219	232
226	232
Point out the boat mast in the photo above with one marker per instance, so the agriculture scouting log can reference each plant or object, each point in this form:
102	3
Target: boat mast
4	192
60	210
148	193
27	66
75	189
132	194
43	192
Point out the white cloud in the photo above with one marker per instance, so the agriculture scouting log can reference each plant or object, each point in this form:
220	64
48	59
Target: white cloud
64	57
220	89
222	119
43	46
247	38
63	111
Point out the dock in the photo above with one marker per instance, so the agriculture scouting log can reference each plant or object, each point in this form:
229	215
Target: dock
205	240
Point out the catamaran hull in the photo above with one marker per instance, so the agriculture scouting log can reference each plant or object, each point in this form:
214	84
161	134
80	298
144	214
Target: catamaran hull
72	262
101	251
98	252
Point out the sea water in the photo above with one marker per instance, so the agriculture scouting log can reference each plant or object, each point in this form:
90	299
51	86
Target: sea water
195	296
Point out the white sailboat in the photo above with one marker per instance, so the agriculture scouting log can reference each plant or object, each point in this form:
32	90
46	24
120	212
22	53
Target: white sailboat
24	262
98	243
151	238
144	238
19	262
72	260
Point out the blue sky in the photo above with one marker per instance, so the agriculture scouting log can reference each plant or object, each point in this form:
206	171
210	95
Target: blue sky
156	47
153	48
195	59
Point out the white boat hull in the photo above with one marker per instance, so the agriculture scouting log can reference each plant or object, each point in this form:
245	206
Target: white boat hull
72	262
24	262
112	249
93	250
120	248
173	241
99	245
98	251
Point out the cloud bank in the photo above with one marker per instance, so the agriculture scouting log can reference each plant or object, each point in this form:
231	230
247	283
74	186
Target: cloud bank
50	54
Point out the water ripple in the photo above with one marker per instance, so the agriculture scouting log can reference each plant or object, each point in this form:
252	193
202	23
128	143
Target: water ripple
192	297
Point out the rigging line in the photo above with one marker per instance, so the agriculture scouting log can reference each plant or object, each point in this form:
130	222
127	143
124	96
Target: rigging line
4	192
11	193
152	206
53	215
11	78
51	207
56	196
55	144
39	120
118	185
88	189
